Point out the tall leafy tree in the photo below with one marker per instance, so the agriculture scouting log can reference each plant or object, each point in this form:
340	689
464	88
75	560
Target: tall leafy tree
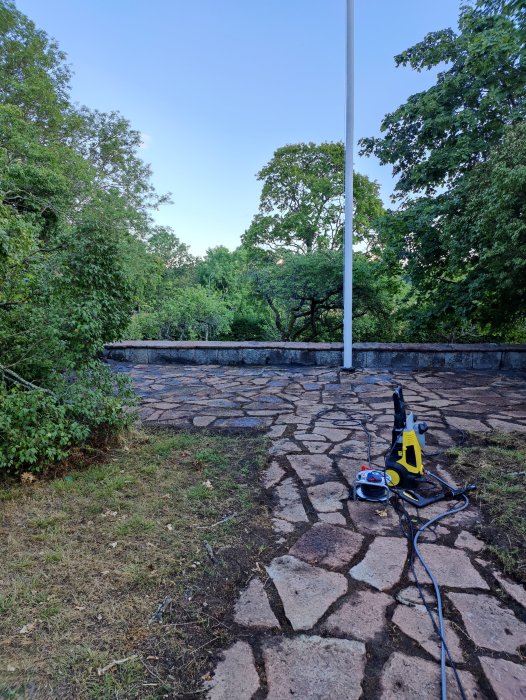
302	201
445	145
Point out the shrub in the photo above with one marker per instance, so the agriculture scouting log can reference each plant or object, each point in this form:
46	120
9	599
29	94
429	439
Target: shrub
37	427
34	429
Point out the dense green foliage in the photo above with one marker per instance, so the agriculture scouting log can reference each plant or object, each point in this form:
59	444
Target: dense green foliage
73	193
458	149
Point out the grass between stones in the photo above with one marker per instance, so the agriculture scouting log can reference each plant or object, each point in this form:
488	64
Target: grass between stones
87	558
489	460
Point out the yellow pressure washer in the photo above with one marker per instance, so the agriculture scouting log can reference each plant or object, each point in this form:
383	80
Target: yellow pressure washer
404	473
404	467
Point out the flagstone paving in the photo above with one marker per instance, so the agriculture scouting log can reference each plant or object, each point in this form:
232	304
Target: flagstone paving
337	614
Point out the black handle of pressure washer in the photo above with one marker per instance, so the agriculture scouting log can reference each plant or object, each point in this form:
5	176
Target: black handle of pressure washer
399	409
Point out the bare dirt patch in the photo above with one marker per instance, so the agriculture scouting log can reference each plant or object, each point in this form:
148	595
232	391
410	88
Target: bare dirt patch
87	559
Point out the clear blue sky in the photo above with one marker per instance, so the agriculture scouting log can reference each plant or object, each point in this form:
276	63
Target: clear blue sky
217	85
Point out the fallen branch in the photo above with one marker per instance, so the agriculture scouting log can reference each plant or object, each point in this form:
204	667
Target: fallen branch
161	608
220	522
116	662
210	552
17	379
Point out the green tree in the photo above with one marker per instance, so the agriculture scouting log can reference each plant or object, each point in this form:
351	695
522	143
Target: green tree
302	201
446	145
172	252
304	293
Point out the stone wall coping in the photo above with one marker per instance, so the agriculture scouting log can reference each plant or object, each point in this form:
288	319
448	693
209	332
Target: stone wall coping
271	344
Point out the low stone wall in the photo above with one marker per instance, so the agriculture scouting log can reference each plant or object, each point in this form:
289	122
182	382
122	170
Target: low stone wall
365	355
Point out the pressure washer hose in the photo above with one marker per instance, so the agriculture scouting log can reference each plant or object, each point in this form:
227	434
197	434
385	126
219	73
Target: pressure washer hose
425	526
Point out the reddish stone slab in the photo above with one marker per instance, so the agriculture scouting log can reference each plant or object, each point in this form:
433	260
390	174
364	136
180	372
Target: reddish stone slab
328	545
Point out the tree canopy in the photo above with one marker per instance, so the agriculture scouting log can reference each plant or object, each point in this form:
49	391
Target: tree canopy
456	230
302	201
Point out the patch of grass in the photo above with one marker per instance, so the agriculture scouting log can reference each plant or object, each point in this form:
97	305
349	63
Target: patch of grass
134	525
88	557
492	461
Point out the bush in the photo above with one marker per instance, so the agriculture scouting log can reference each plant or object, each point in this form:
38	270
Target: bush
34	429
38	428
192	313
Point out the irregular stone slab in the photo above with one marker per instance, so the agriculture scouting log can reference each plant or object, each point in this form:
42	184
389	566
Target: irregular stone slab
272	475
469	424
305	591
416	623
489	623
235	677
332	434
253	609
306	437
332	518
383	564
312	468
515	590
276	431
279	525
450	567
411	678
316	448
410	596
466	540
244	422
328	497
290	506
506	426
374	518
356	447
361	616
327	545
203	421
314	668
284	447
507	679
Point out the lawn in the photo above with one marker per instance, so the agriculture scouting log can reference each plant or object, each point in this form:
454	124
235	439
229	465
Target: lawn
496	462
87	559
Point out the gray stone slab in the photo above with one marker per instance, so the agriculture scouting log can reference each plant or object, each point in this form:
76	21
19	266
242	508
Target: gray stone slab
235	677
451	567
507	679
383	563
515	590
328	497
466	540
305	591
489	624
411	678
314	668
253	609
361	616
289	505
312	469
416	623
272	475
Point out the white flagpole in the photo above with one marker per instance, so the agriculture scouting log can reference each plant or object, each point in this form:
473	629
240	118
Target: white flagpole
347	242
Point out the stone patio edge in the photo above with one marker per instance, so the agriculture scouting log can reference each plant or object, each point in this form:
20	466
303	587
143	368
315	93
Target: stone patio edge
487	356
